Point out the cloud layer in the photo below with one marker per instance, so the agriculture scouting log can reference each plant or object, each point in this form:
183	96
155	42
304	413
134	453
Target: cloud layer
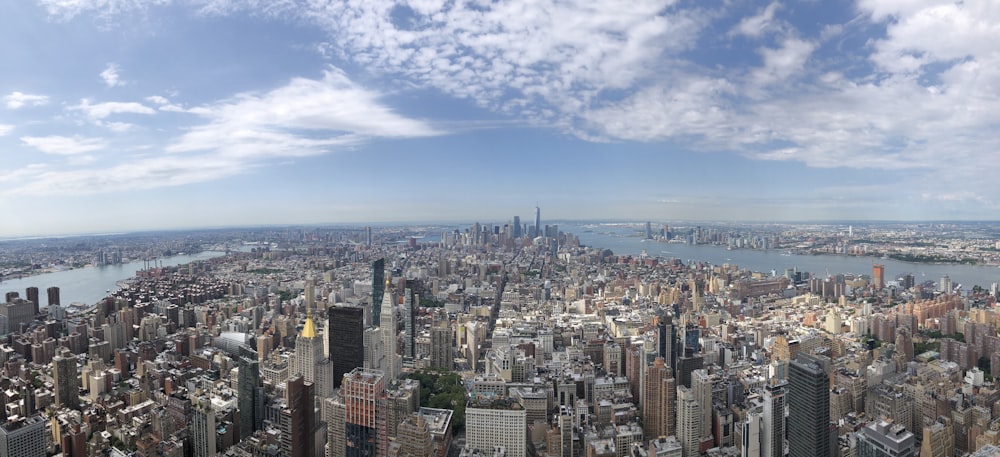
907	87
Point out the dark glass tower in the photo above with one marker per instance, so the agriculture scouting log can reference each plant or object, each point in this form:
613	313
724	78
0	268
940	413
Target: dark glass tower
808	406
346	337
667	341
378	289
250	393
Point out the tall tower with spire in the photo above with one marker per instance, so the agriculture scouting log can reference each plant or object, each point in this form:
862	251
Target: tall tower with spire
308	351
538	222
389	330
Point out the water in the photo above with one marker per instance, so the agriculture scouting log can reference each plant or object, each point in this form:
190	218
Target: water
623	240
91	284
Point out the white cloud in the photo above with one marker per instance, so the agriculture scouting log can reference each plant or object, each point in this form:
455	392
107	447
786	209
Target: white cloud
99	111
107	9
5	129
137	175
783	62
909	85
757	25
111	77
63	145
540	60
15	100
304	117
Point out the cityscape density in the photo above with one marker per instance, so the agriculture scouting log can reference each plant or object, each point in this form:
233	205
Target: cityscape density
500	340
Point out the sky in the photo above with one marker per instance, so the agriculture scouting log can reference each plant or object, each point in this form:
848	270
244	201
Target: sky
121	115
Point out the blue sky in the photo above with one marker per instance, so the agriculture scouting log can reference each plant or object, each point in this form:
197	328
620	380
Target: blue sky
123	115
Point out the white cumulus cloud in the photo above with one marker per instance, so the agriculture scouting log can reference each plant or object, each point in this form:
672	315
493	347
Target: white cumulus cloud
15	100
63	145
111	77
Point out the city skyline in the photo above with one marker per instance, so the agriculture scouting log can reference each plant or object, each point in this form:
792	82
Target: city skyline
132	115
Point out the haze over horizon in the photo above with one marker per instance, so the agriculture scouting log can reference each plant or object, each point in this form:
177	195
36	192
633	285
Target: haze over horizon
134	115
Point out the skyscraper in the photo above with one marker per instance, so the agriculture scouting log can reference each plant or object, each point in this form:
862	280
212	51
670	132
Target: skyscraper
772	435
66	380
808	406
53	293
23	437
441	352
378	289
658	402
516	227
250	393
538	222
666	347
308	352
409	320
298	419
701	385
689	422
501	423
878	276
310	292
346	337
203	428
389	332
32	296
362	391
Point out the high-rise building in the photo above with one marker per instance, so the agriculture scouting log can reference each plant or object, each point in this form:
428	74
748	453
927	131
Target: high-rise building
516	229
689	421
666	336
538	222
414	437
368	236
904	342
346	337
250	391
203	430
23	437
649	230
878	276
442	355
363	394
66	380
17	311
701	384
390	335
400	401
32	296
334	413
884	439
53	293
298	419
411	301
310	292
308	352
808	406
658	401
374	353
378	289
939	439
772	433
946	285
496	423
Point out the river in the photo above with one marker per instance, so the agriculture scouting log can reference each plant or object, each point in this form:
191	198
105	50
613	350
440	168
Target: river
91	284
625	240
